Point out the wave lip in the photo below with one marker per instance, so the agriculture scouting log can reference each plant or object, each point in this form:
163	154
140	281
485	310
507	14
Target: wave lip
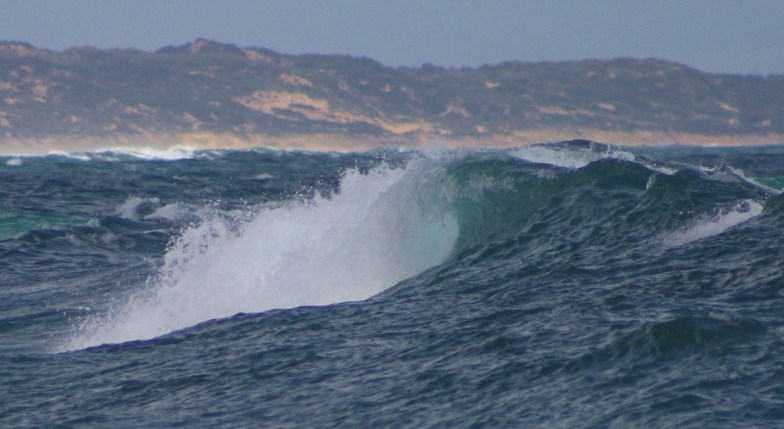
571	155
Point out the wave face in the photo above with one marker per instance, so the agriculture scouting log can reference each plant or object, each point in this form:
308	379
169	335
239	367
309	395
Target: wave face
562	285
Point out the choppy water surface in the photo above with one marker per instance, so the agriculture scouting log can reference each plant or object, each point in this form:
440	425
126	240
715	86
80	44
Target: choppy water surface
560	285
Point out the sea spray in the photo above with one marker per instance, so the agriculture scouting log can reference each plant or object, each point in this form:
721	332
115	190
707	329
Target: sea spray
377	230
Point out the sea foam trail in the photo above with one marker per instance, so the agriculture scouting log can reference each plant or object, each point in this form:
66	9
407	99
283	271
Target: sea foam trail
371	235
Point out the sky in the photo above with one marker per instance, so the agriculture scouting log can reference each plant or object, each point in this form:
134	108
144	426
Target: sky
737	36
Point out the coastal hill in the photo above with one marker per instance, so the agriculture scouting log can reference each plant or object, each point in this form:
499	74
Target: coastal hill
211	94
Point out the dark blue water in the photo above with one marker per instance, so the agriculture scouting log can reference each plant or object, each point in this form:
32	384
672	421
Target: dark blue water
564	285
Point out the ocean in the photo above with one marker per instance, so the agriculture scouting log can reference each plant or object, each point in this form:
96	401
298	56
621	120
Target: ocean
571	284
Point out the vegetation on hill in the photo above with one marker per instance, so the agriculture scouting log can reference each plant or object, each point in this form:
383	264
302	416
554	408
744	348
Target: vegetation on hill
213	87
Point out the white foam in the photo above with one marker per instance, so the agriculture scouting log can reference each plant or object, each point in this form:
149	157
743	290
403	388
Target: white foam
149	153
374	233
669	171
263	176
568	157
15	162
740	174
173	212
173	153
130	208
714	225
72	155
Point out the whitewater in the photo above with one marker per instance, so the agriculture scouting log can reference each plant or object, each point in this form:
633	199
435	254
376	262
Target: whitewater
569	284
347	247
